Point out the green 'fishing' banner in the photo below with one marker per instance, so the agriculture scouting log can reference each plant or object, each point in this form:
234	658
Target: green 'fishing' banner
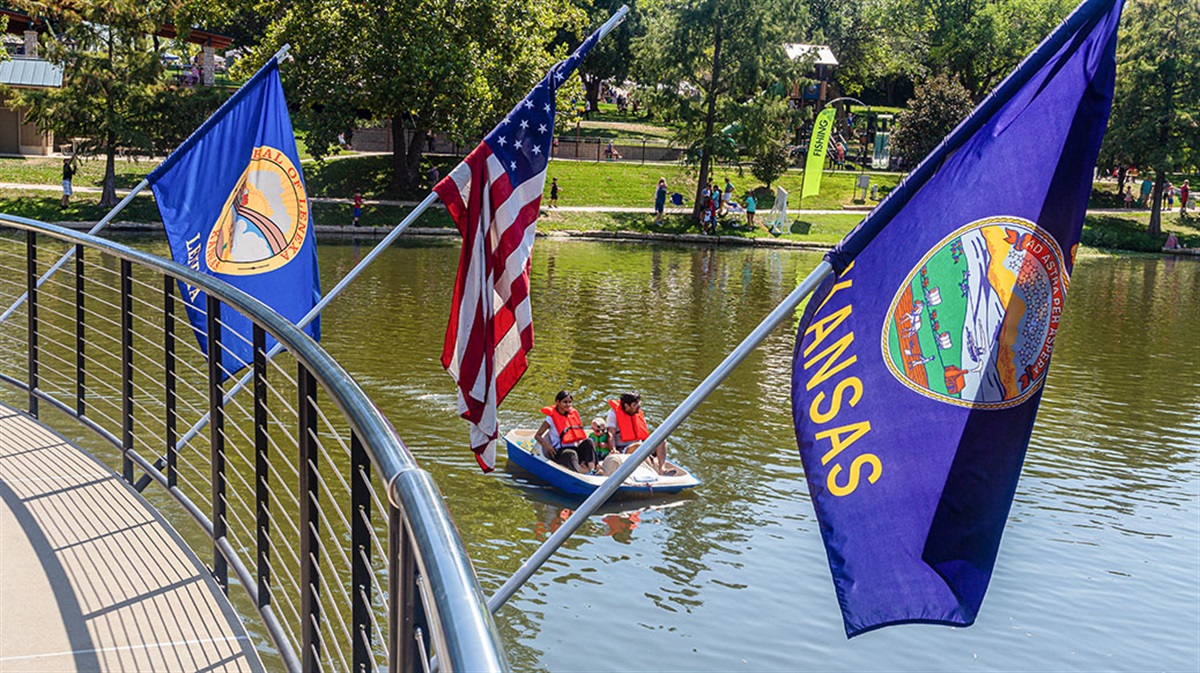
818	146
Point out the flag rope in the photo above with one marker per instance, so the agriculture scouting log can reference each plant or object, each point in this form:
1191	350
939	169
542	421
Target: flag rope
784	310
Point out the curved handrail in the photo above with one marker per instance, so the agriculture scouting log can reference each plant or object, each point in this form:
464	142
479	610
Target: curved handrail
464	623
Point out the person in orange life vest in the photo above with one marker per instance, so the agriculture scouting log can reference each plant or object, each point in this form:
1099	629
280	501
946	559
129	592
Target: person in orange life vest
627	428
563	438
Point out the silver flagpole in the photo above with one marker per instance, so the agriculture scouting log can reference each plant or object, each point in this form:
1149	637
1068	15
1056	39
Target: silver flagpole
279	56
610	485
308	318
605	29
71	252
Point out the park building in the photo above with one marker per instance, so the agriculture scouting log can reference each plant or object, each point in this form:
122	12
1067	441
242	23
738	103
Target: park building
24	69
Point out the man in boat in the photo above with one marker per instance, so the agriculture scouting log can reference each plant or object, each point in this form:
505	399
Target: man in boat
627	429
563	438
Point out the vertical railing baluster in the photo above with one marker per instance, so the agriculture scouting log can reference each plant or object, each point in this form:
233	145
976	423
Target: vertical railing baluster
261	483
360	546
402	595
31	290
80	336
310	545
169	379
126	369
217	439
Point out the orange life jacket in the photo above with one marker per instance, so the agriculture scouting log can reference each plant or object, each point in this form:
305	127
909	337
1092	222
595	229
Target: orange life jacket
631	428
569	427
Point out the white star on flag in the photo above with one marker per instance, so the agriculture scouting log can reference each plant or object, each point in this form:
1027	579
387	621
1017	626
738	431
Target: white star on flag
494	197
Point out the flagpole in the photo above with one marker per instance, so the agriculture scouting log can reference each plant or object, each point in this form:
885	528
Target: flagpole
308	318
99	226
783	311
71	252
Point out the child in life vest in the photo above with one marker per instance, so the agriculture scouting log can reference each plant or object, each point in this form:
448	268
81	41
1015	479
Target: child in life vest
599	437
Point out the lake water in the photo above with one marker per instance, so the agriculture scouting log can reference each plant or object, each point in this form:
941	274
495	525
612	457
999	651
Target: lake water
1100	564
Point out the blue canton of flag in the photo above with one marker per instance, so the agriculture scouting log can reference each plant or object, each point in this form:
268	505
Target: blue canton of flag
919	365
494	197
233	203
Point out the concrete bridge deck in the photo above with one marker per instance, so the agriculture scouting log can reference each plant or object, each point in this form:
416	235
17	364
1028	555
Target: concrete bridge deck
92	578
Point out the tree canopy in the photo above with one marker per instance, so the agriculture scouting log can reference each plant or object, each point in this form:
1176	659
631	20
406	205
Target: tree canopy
424	65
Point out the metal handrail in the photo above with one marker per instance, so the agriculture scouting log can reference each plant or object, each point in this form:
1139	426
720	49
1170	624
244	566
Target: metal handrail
464	636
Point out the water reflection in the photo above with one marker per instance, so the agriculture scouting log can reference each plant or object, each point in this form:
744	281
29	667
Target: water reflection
1097	569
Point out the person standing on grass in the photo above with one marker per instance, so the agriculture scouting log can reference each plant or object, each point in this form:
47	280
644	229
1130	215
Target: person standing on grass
553	192
751	205
68	173
1184	193
660	200
357	207
726	196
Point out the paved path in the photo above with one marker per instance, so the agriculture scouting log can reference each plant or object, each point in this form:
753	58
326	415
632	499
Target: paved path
858	210
92	578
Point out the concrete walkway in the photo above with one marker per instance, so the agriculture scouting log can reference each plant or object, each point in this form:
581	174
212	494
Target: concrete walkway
92	578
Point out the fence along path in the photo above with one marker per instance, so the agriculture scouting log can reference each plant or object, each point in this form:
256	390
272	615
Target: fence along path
94	578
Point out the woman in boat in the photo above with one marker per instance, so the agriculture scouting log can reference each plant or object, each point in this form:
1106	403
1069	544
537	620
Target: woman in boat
627	429
563	438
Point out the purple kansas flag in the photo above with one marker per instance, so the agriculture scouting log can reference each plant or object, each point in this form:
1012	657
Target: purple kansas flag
919	365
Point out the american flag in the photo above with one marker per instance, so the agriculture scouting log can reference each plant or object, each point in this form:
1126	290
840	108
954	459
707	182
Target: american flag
494	197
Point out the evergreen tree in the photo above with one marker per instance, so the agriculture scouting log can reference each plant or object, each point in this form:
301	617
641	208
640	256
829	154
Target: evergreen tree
113	90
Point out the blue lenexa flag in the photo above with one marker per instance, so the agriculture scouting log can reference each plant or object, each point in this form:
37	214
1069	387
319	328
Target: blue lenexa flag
233	202
919	365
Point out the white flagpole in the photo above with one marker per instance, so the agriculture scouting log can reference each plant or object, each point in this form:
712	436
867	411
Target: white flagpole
279	56
782	312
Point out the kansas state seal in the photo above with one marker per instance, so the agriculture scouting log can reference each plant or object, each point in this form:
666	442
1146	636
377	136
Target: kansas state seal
264	221
974	323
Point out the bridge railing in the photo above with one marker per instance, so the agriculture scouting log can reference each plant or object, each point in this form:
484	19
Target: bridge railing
335	536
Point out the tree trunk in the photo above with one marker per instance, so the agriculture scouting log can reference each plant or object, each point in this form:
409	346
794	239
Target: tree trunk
108	198
710	116
591	87
404	168
1160	179
1121	174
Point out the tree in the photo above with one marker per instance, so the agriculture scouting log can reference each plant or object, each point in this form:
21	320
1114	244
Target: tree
610	58
979	42
425	65
113	91
704	58
939	105
1155	121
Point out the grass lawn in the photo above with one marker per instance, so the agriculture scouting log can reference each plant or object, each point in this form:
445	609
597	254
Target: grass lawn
90	173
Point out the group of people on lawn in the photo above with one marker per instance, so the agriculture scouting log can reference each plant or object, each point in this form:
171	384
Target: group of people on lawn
565	441
714	202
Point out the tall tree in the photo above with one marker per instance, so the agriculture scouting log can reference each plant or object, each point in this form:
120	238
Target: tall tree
703	58
1155	122
113	87
612	57
425	65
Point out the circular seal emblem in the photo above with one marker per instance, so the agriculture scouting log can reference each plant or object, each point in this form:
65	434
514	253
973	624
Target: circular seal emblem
264	221
974	323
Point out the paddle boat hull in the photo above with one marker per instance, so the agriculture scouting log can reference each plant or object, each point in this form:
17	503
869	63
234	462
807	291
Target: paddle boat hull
525	453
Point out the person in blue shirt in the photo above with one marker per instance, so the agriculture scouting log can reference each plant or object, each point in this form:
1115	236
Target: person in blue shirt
751	205
660	200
